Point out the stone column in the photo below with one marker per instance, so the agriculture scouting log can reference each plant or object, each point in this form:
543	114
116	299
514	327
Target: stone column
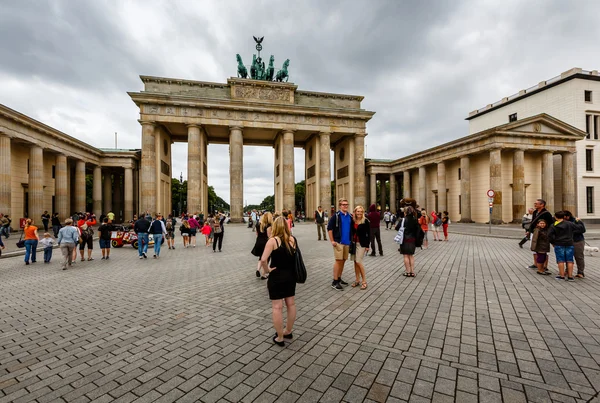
60	188
465	190
128	185
236	173
518	187
423	188
36	184
392	192
80	186
360	191
568	182
441	184
406	185
97	191
148	171
382	193
289	185
108	190
496	184
194	173
325	170
5	177
373	190
548	180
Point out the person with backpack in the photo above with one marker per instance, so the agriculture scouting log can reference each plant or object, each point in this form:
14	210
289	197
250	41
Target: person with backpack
105	231
436	224
218	232
361	230
86	238
409	239
339	229
170	225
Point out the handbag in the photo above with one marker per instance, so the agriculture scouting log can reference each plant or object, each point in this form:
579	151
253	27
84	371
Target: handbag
352	248
300	269
400	235
21	242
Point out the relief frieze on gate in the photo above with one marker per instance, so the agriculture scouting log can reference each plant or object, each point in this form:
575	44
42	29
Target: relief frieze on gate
259	117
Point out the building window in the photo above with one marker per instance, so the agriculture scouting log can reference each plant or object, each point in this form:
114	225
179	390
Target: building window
596	121
588	96
589	160
512	117
459	204
459	174
53	171
28	167
589	199
588	125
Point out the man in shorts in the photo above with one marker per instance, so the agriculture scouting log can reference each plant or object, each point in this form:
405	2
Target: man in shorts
339	229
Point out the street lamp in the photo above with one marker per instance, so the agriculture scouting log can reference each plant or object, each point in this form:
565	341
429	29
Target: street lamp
180	193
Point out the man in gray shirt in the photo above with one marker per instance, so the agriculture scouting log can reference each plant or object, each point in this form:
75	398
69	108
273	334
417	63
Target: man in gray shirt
68	236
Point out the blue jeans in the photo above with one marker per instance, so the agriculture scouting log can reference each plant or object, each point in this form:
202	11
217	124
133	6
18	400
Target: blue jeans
142	243
47	254
30	249
157	242
564	253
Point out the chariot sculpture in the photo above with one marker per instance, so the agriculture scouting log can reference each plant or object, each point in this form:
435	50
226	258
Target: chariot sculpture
258	71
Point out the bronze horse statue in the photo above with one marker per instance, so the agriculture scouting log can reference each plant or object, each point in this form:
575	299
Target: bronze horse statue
270	70
241	70
283	73
253	68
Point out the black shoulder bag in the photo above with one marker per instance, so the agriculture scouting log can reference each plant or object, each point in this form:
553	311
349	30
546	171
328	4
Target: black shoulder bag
299	266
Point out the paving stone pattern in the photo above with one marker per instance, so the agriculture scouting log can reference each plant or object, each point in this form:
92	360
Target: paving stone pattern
474	325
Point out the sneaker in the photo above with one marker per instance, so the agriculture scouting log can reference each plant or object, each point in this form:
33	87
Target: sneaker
141	257
257	273
154	257
103	258
342	282
337	286
559	277
144	255
531	267
107	257
570	279
172	247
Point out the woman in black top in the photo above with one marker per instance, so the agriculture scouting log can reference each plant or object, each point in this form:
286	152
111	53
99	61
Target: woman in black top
281	248
407	248
360	231
45	220
56	226
263	233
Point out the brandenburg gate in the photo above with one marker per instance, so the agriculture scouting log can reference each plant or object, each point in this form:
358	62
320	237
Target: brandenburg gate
247	111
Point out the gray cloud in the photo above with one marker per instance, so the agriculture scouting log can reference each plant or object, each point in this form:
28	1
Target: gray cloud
422	66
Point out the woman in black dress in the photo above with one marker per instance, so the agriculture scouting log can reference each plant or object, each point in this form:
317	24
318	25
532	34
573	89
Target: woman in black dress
281	248
263	233
407	247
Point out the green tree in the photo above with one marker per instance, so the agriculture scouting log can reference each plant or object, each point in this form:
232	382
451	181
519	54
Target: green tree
178	195
300	196
268	203
215	202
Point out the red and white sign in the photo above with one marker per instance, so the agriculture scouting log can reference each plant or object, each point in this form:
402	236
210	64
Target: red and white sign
491	193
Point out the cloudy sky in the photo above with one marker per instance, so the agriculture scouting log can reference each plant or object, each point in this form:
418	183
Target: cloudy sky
421	65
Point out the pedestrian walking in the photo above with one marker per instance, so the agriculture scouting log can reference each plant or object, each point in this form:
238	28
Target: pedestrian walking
561	236
194	227
375	222
436	224
45	220
361	231
339	229
525	222
539	213
540	244
320	221
281	249
1	246
142	228
408	245
578	245
387	218
206	230
218	232
158	230
185	232
254	219
4	225
445	223
55	224
170	226
86	239
263	233
31	241
68	236
47	243
105	231
424	223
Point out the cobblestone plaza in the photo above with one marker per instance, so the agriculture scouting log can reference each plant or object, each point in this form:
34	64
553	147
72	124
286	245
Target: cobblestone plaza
474	325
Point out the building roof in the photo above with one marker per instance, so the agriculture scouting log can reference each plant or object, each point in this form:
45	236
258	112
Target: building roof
568	75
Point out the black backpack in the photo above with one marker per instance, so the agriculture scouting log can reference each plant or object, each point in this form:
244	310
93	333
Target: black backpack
420	238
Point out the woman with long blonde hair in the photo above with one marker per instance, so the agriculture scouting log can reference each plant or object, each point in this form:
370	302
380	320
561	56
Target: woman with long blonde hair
360	233
263	233
281	249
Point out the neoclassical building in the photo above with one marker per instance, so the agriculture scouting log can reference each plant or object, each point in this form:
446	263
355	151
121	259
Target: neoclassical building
42	169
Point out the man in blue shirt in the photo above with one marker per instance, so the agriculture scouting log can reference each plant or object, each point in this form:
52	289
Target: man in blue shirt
339	229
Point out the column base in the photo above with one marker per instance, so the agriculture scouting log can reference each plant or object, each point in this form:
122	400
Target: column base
233	220
496	222
516	221
466	221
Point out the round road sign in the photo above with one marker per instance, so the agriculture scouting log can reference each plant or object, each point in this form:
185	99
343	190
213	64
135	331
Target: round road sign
491	193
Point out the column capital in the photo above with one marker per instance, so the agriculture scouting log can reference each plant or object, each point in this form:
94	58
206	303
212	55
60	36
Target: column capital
147	122
240	128
194	125
323	133
288	131
360	134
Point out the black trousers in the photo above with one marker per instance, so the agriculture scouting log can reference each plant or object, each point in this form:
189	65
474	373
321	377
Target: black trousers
376	235
217	237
